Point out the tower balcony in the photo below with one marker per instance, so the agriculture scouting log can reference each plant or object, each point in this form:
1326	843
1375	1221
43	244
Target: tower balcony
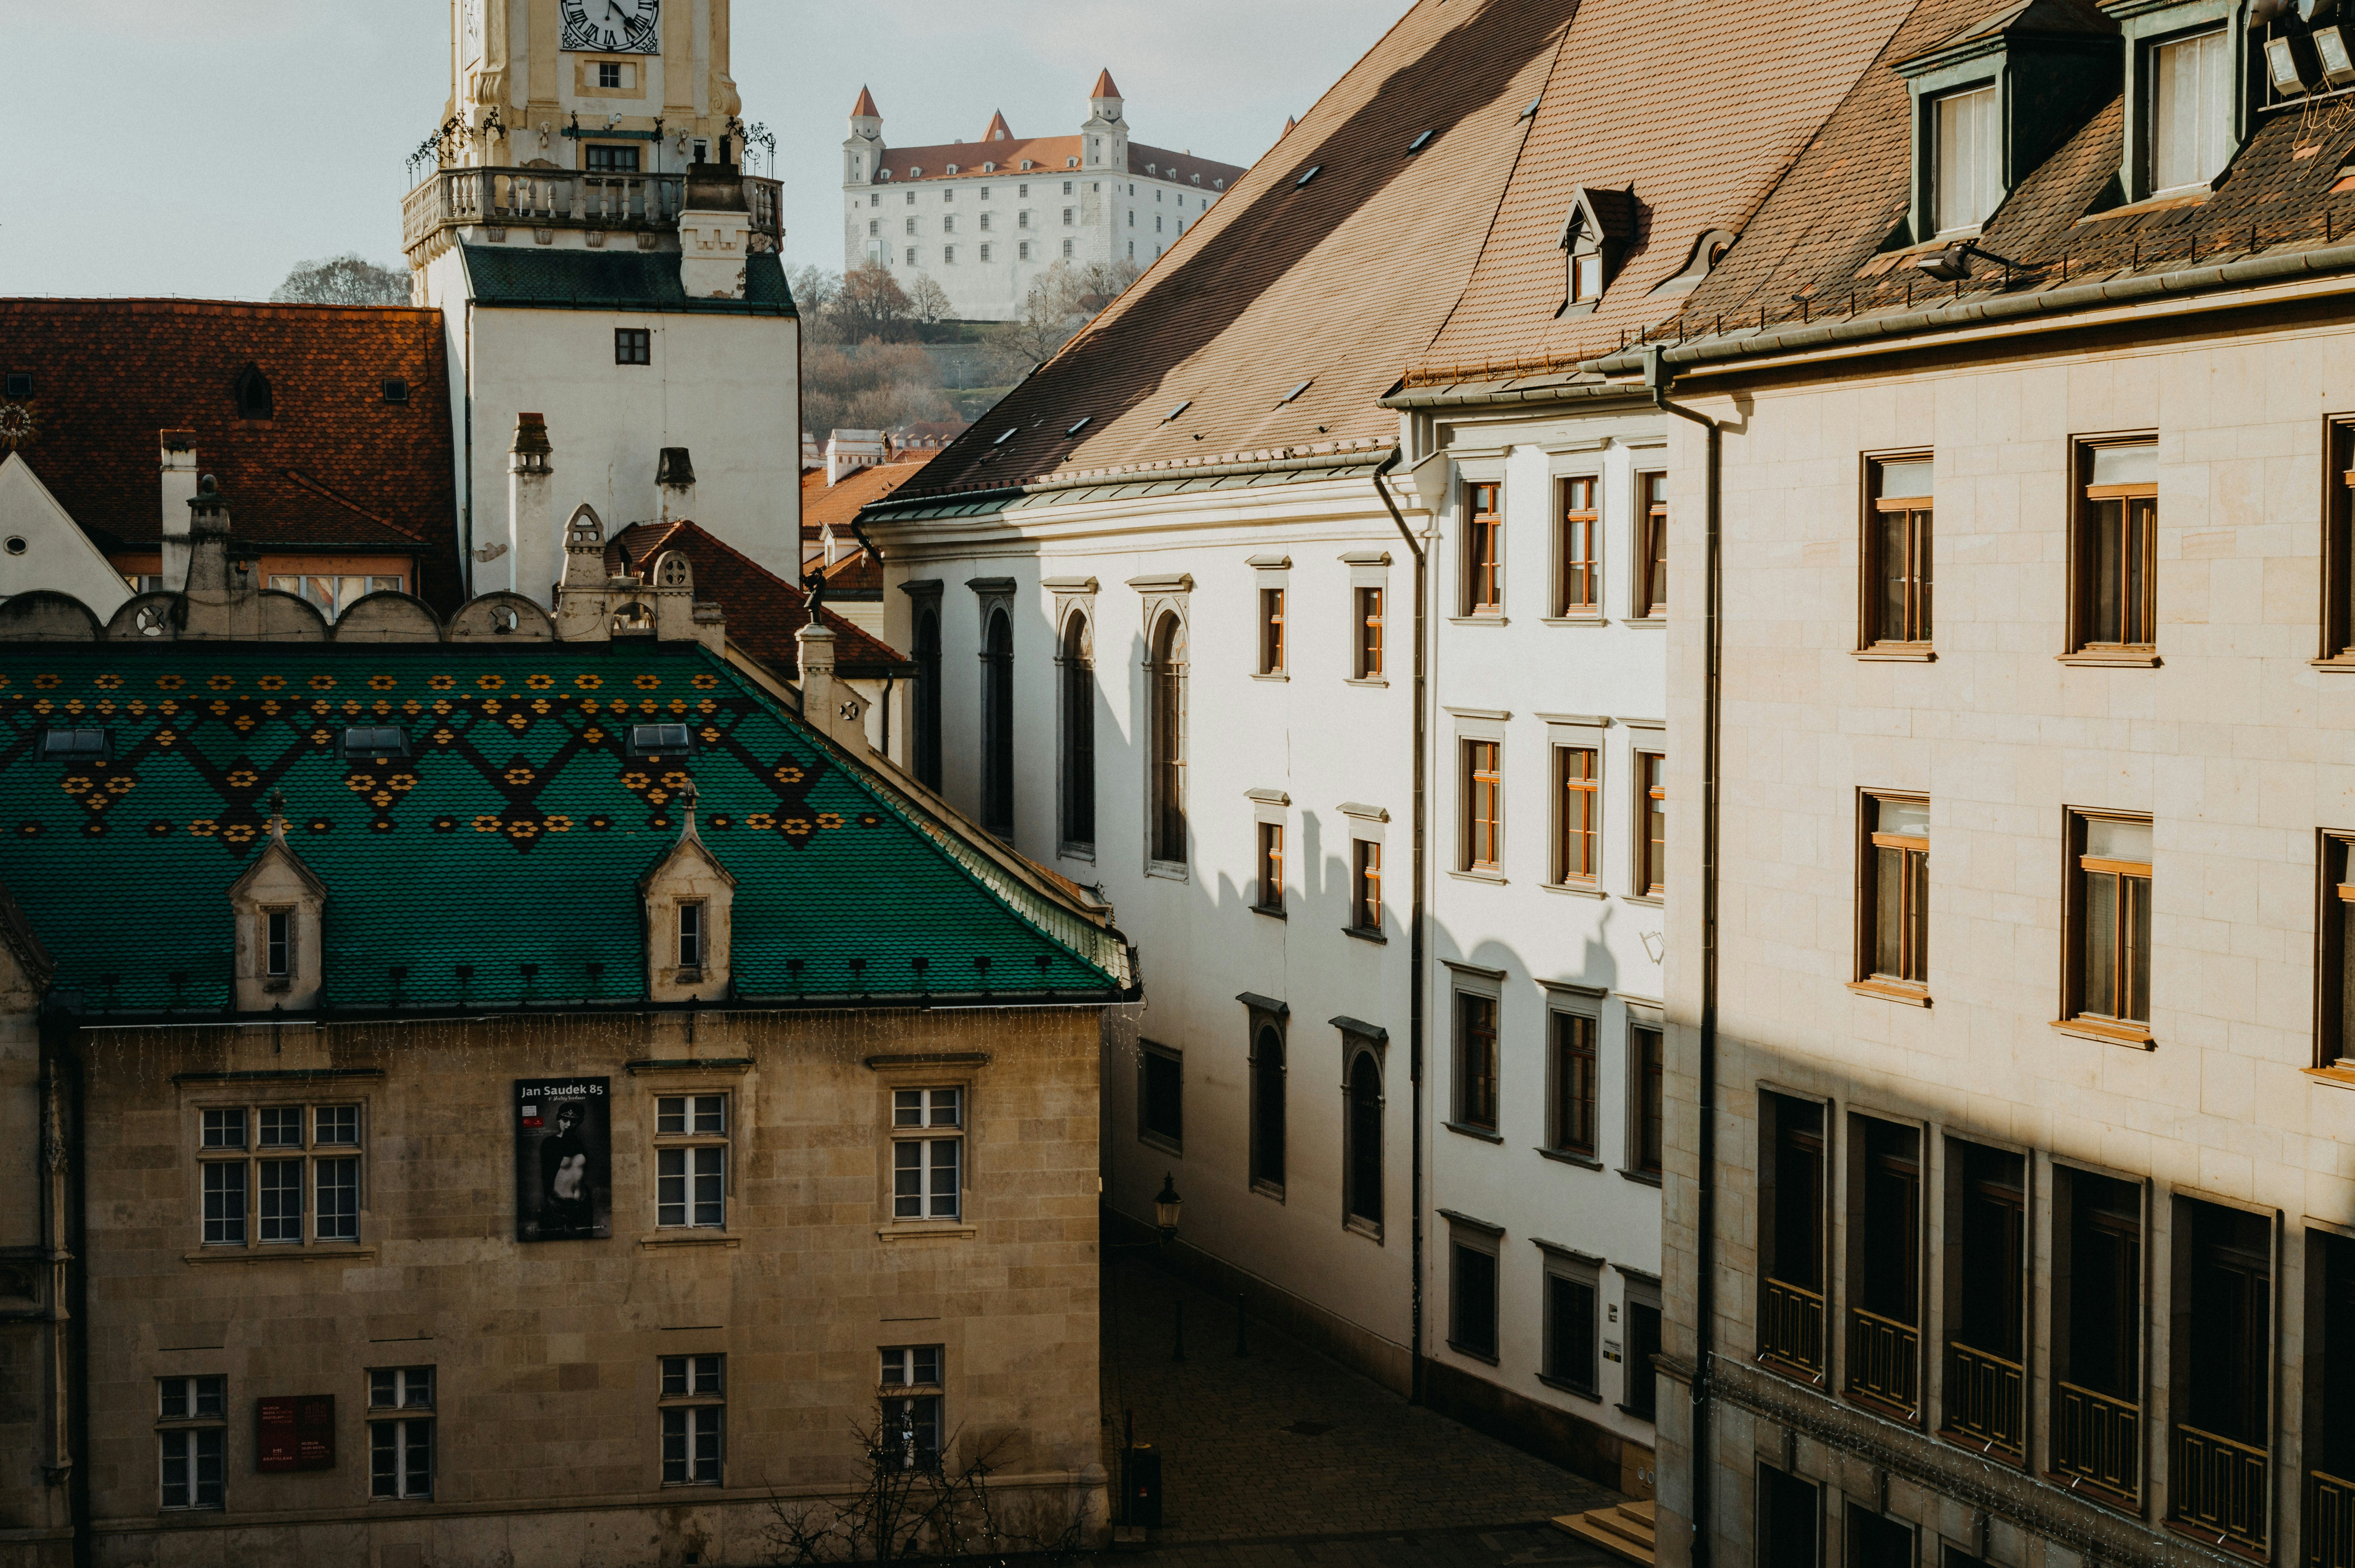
564	206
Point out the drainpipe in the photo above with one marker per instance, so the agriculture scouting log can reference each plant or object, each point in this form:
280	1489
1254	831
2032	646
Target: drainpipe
1416	920
1659	378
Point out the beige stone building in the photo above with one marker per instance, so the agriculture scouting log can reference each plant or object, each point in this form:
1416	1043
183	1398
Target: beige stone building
511	1090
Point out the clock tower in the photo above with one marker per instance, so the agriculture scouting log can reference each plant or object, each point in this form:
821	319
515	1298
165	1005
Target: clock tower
602	258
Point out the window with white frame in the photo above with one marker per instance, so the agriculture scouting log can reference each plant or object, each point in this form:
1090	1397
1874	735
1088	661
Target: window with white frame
910	1392
400	1432
691	1161
279	1175
694	1412
2191	109
191	1437
927	1154
1967	152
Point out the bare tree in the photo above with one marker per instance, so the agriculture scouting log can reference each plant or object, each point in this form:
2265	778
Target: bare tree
1062	300
348	279
929	301
872	305
911	1508
815	290
867	386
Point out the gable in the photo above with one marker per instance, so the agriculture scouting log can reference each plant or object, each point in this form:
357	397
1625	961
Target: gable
55	553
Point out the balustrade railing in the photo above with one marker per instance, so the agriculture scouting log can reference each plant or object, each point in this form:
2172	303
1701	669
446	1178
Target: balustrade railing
2097	1438
1884	1358
1986	1400
1791	1328
2329	1521
494	196
2219	1484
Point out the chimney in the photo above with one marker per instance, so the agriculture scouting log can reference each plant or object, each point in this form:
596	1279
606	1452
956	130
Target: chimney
531	536
848	450
714	231
210	582
828	706
675	482
179	475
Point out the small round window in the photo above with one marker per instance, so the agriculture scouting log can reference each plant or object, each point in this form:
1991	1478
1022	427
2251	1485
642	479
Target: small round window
15	544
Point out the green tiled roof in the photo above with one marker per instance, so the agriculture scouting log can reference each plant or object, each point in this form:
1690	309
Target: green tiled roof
515	834
532	277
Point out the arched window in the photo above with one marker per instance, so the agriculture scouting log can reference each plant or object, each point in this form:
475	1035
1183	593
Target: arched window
998	727
1166	682
1364	1157
928	698
1267	1106
1078	683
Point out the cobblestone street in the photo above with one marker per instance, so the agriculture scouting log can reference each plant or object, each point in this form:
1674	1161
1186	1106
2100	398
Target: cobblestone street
1284	1447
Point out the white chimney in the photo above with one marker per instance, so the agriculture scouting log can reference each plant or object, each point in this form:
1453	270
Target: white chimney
848	450
534	559
179	474
675	482
828	706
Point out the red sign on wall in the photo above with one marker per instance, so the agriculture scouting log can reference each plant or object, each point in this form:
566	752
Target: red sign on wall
296	1433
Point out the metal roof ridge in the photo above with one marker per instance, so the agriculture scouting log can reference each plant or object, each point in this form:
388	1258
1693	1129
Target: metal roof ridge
900	501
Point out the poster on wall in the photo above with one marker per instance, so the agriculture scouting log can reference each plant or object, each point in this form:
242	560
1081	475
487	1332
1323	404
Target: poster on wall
295	1433
564	1153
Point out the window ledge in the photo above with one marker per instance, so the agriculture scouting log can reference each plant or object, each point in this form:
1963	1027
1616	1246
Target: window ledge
2341	661
1477	620
1576	621
1897	653
1882	1408
1644	621
685	1237
278	1252
1982	1447
1166	1145
1652	900
1469	1131
1174	871
2094	1492
1566	1386
1358	1225
1086	852
1266	1188
1568	1157
1270	675
1647	1178
1364	935
1364	680
922	1231
2337	1073
1273	911
2116	658
1467	1351
2137	1035
1891	990
1496	877
1574	889
2160	201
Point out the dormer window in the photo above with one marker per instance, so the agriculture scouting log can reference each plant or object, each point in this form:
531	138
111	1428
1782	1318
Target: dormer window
1600	225
690	937
660	741
1966	130
75	745
251	388
374	743
2191	110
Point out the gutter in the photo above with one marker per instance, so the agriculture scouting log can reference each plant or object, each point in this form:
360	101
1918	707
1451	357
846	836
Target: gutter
1416	1001
629	1007
1659	379
2252	271
900	501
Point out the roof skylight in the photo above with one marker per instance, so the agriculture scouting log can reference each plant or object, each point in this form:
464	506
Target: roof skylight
1533	106
1314	170
1180	408
1081	425
1005	435
1416	145
1297	391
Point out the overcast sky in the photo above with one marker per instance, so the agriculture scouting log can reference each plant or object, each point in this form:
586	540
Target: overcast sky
233	138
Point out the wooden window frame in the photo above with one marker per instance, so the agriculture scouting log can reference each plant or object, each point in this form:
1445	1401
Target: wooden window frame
1356	1051
1366	886
1573	1094
1147	1133
1651	525
1802	1309
1476	1096
1367	654
1578	546
2337	582
2076	866
1651	810
1872	843
2334	987
1481	788
1884	1367
1580	1373
1578	815
1647	1104
1271	631
1480	1241
1987	1405
1484	548
689	1138
1918	626
1270	867
2063	1386
2086	500
2210	1474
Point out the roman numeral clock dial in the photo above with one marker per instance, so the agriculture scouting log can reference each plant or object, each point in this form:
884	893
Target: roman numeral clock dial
624	26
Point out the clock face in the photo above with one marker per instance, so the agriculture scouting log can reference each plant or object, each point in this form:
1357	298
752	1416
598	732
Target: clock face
613	27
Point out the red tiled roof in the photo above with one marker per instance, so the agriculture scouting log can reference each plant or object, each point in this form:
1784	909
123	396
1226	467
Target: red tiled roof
997	129
764	610
1049	152
866	106
838	503
335	468
1103	87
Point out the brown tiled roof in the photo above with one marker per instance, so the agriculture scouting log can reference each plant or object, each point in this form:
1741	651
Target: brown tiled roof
1283	282
1103	87
1051	153
1671	159
838	503
866	106
335	467
764	610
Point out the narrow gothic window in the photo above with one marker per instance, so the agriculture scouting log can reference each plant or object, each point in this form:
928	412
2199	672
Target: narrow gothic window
1079	735
998	728
927	698
252	390
1166	681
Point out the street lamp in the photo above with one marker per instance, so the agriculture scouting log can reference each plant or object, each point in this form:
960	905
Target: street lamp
1166	1204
